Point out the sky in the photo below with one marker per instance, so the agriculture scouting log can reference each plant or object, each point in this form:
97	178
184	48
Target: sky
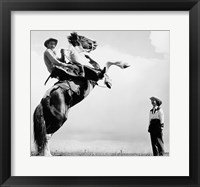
110	120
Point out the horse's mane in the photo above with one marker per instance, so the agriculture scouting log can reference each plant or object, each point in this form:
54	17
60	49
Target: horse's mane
76	40
72	39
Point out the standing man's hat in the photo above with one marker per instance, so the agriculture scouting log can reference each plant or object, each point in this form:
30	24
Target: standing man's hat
49	40
158	101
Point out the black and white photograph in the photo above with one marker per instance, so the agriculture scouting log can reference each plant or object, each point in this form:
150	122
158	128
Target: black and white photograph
100	92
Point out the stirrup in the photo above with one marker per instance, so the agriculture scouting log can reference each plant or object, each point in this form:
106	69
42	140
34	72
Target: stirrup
102	72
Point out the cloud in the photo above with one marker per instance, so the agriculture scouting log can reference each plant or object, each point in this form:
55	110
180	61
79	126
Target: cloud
160	41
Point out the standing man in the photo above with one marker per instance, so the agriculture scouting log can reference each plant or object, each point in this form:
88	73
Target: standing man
156	125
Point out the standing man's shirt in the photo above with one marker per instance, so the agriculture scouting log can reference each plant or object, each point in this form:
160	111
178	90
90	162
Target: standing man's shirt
156	113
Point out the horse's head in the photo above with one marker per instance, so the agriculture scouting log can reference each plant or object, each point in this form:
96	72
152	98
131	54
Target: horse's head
81	41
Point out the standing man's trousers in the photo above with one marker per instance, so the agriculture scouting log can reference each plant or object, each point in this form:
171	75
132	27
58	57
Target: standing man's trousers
157	144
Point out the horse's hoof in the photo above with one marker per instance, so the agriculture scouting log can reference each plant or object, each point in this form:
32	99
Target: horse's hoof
126	65
48	154
108	83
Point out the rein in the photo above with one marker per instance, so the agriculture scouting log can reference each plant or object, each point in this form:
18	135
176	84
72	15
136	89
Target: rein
85	50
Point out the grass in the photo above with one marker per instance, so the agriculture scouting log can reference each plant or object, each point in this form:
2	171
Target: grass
88	153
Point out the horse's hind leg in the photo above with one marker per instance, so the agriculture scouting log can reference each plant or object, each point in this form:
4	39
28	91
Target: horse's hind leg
47	148
55	114
49	116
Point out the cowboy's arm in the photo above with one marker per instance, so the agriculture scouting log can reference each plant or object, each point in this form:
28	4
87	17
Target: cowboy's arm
161	117
52	58
149	120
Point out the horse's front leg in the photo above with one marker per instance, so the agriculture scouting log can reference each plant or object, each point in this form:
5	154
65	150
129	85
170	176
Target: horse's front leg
120	64
107	80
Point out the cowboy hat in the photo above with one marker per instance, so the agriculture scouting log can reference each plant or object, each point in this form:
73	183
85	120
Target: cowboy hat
158	101
49	40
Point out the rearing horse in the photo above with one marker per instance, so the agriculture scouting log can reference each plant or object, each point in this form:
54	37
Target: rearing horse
52	112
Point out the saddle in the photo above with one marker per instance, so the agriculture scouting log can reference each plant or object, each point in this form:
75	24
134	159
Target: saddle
64	74
74	71
85	72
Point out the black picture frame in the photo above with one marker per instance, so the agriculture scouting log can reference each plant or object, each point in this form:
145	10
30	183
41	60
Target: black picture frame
7	6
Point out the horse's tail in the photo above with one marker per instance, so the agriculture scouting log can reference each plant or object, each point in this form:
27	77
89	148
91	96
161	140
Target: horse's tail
39	129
